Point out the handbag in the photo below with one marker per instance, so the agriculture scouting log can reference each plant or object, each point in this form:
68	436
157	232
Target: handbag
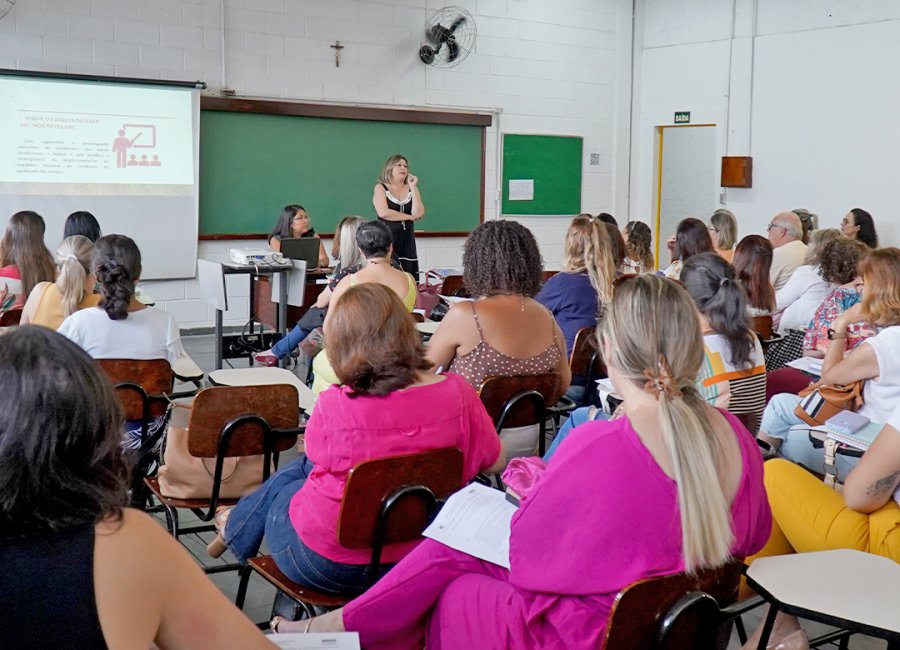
313	318
183	476
821	401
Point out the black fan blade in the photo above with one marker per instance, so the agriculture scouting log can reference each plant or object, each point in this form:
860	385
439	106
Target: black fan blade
453	49
456	23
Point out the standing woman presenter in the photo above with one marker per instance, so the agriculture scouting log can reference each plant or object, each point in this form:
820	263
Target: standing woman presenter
398	204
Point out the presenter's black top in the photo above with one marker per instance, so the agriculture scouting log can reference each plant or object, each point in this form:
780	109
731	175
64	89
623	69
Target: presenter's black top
47	591
403	234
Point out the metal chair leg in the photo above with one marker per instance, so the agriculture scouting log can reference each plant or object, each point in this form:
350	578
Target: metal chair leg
244	573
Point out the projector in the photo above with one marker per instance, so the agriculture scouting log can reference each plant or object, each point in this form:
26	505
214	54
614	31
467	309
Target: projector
256	256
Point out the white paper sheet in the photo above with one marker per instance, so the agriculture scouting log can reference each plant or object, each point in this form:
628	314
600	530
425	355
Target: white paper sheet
476	521
808	365
521	190
452	299
314	641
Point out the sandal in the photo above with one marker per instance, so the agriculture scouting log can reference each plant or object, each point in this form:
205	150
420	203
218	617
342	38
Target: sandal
218	546
278	620
265	358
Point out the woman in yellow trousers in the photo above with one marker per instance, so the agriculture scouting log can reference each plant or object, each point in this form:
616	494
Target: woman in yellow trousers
807	515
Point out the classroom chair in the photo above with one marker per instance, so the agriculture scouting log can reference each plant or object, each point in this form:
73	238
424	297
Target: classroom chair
453	286
386	501
144	388
675	612
10	317
232	422
521	401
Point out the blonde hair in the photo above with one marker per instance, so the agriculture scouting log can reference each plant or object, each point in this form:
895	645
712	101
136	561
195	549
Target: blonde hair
389	166
344	248
588	249
880	269
725	224
73	258
670	343
818	240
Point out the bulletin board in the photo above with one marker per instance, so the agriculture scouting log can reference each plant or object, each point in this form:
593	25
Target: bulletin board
545	171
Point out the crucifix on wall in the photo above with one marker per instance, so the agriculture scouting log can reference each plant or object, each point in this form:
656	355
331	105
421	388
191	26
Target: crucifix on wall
337	47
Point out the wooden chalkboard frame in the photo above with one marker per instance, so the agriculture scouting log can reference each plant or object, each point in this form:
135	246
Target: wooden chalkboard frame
341	112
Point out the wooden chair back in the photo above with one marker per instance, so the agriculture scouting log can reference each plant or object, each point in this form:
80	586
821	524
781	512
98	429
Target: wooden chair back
497	392
214	408
786	380
138	379
585	358
546	275
453	286
10	317
763	326
371	484
671	613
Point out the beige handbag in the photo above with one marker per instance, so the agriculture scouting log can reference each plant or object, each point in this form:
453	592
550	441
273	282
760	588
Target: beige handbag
184	476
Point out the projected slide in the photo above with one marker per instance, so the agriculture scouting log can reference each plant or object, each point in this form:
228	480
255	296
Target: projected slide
127	153
65	132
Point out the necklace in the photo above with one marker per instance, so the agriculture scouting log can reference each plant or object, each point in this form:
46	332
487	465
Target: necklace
377	260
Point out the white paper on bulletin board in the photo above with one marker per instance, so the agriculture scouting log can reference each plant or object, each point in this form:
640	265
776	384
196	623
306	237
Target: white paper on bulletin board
521	189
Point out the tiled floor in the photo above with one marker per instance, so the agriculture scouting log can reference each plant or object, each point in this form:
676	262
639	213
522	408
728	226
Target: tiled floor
260	595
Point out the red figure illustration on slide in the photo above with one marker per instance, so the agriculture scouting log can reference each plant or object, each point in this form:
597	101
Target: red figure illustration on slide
155	162
121	145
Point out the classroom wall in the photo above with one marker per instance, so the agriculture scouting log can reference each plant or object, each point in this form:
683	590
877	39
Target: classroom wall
545	66
807	87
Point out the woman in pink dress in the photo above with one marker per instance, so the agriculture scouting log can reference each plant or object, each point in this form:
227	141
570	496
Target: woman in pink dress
672	485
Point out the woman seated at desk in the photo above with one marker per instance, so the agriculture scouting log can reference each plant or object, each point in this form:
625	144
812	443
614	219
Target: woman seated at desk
349	260
80	569
388	403
51	302
294	222
122	327
505	332
673	485
374	240
876	360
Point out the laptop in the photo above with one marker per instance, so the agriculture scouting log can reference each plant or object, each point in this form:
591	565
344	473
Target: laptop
302	248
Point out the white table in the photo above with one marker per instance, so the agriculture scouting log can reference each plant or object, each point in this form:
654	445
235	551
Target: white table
845	588
264	377
428	327
185	369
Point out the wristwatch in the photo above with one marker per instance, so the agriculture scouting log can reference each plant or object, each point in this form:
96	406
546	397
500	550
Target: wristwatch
832	335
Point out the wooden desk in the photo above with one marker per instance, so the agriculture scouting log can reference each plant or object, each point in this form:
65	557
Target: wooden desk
845	588
264	377
266	311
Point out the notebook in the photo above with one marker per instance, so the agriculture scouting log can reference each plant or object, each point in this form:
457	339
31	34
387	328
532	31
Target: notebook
302	248
862	439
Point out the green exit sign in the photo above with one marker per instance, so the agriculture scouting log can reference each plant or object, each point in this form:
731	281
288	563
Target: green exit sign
683	117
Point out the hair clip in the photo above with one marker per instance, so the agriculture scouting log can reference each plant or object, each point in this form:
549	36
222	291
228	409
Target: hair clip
661	381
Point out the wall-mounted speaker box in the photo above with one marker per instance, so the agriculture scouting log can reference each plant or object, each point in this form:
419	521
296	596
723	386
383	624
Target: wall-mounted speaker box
737	171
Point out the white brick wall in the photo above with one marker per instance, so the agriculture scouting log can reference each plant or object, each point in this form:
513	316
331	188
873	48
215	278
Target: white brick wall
544	66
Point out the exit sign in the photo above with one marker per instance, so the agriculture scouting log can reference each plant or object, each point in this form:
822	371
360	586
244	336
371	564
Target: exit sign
683	117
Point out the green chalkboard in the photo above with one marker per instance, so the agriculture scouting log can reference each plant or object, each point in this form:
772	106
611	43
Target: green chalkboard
553	163
252	165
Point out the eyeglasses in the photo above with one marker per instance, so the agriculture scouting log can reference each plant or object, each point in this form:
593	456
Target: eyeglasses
775	225
846	222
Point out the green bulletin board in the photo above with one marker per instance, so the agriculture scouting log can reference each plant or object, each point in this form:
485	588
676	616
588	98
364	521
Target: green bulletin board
252	165
553	163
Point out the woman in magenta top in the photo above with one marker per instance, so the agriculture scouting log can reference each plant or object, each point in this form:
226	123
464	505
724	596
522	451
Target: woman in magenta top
672	485
389	404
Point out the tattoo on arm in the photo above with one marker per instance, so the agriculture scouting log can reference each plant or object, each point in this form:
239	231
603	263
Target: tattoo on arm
883	485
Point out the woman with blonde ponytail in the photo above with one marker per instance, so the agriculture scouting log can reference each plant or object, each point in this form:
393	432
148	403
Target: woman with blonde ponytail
575	295
50	302
670	485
